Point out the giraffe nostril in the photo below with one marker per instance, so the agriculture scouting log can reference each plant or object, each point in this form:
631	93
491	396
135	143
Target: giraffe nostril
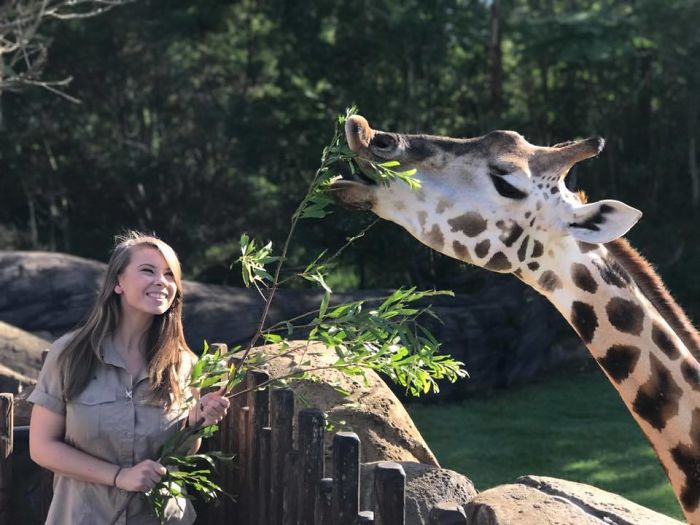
383	142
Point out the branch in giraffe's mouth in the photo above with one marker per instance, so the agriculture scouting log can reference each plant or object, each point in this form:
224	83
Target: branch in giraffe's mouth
354	174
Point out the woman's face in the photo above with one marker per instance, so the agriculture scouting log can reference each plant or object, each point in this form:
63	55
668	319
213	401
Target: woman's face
146	284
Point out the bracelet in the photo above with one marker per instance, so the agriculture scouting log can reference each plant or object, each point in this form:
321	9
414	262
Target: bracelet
116	475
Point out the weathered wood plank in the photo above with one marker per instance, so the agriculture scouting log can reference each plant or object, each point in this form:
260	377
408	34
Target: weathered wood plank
389	488
264	511
346	478
324	502
259	405
312	425
290	503
281	418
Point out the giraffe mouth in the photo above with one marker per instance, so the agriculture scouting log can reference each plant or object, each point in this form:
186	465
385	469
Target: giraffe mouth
351	175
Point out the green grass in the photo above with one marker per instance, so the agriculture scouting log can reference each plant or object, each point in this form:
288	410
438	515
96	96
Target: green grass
571	426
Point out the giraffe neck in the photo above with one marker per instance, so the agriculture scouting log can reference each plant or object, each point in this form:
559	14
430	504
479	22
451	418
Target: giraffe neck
635	343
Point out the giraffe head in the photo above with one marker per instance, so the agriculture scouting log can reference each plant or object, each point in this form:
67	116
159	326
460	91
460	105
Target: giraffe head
479	197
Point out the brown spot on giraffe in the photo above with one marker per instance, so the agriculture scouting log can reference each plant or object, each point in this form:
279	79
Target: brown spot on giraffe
537	249
422	217
511	232
461	251
584	320
687	457
549	281
582	278
436	238
586	247
498	263
442	205
470	223
664	341
657	399
482	248
691	373
522	251
626	316
619	361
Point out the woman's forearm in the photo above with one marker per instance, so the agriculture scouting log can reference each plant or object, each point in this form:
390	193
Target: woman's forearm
66	460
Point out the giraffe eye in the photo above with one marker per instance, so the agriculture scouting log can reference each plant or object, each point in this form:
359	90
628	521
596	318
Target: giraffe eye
500	178
497	170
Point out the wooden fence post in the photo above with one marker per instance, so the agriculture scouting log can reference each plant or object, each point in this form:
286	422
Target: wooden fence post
259	406
324	502
242	494
346	478
281	418
6	443
312	425
290	503
447	513
264	511
389	488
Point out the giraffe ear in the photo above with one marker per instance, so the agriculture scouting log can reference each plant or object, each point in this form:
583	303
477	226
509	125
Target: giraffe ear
603	221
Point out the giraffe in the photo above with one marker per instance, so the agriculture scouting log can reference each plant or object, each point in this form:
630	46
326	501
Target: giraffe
501	203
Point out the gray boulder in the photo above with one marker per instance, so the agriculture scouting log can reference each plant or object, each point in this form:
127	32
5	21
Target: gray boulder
426	487
550	501
21	351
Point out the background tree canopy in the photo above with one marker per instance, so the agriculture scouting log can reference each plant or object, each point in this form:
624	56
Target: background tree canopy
202	120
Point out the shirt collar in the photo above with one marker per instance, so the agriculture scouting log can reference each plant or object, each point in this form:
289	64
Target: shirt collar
111	356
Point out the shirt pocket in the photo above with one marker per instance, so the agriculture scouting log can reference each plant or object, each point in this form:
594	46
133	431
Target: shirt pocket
90	414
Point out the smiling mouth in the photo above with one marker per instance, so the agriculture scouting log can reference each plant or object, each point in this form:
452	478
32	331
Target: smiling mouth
157	295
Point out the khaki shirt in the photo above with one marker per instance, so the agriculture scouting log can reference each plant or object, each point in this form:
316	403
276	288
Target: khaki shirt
114	420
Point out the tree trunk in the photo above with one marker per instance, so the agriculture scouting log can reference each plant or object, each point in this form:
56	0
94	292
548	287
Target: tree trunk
496	60
692	150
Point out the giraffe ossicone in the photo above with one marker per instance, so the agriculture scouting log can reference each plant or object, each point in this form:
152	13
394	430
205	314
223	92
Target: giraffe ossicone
501	203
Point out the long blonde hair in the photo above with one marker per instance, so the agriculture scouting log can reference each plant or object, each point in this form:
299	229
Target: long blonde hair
165	340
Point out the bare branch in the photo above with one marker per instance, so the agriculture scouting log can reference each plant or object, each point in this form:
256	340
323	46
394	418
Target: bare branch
24	50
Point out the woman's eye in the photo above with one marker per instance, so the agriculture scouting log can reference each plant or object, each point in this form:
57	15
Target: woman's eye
147	270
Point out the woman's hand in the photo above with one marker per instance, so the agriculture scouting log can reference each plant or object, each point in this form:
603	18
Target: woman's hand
142	477
212	407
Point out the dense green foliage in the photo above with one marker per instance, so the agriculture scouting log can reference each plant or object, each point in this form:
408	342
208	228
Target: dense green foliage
573	427
202	120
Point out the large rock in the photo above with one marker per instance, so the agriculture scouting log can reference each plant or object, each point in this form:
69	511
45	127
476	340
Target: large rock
20	362
21	351
370	409
550	501
496	328
426	486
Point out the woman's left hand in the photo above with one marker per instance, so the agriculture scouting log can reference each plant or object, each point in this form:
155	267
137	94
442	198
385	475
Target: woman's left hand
212	407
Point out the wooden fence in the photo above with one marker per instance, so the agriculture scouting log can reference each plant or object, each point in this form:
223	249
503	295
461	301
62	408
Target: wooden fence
279	475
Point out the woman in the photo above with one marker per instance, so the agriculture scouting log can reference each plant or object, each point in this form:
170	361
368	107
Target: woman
111	392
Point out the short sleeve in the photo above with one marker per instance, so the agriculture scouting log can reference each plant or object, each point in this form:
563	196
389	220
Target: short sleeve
48	391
